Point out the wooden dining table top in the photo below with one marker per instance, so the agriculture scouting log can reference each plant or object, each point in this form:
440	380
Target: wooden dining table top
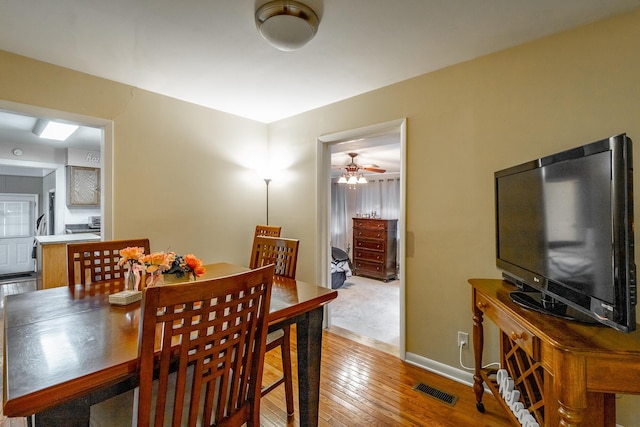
66	342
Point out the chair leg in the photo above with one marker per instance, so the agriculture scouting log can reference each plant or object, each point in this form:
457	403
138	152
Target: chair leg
286	370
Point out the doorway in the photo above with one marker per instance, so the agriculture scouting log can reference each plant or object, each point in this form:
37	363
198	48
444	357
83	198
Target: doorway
52	212
17	230
342	141
93	135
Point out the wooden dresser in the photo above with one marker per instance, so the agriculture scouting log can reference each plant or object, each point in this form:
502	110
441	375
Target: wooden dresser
374	248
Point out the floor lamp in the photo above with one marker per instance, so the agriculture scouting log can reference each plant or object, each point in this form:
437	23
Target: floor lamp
267	181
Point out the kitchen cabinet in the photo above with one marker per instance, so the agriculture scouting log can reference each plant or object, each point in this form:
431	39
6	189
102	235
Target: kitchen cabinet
83	186
374	248
52	257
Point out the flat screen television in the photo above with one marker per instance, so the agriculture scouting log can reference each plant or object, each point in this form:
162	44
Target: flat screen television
564	233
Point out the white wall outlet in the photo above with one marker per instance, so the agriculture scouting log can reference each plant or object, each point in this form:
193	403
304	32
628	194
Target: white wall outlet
463	339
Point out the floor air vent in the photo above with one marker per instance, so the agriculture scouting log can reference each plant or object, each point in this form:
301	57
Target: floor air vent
442	396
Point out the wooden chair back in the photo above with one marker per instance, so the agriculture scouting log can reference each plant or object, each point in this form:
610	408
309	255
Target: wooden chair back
268	230
212	334
280	251
91	262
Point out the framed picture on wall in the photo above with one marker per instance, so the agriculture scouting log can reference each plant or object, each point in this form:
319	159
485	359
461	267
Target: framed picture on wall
83	186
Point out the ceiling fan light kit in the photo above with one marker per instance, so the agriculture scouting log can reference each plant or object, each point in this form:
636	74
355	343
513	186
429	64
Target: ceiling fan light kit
352	174
286	24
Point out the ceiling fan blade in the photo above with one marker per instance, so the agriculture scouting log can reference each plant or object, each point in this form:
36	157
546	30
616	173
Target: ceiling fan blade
378	170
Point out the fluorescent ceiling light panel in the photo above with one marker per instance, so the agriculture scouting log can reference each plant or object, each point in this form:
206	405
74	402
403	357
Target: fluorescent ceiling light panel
54	130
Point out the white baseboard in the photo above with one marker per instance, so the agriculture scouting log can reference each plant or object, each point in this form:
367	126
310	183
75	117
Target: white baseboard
459	375
455	374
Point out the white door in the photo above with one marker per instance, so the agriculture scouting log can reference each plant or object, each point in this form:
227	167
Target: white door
17	223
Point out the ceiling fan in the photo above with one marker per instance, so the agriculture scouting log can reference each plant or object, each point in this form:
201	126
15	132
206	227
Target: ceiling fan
353	174
353	168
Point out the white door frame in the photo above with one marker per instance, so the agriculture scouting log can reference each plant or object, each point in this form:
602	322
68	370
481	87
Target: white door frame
324	205
106	156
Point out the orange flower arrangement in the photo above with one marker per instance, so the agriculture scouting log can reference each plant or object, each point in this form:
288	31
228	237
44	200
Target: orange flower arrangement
132	258
194	265
157	263
131	255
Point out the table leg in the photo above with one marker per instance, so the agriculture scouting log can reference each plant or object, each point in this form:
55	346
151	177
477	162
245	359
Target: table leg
77	412
71	414
309	344
478	344
570	387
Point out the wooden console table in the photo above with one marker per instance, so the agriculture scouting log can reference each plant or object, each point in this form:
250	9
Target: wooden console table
567	373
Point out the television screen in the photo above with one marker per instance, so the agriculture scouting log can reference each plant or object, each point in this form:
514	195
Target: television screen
564	229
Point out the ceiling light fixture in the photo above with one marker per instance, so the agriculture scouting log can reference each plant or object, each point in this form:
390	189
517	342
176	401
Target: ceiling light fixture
286	24
53	130
352	178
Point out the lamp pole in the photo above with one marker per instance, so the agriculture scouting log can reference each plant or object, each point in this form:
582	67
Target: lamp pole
267	181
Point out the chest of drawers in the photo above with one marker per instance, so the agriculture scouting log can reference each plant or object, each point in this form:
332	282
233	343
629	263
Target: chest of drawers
374	248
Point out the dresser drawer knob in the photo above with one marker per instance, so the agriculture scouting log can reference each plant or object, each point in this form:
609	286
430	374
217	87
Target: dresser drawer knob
516	336
481	305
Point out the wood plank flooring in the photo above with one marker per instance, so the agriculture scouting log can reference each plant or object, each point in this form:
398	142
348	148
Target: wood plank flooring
360	386
363	386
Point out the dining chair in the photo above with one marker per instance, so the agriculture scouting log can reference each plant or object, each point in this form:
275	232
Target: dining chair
91	262
213	334
201	355
268	230
283	253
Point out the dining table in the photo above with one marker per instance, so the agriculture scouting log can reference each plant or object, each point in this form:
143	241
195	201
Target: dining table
67	348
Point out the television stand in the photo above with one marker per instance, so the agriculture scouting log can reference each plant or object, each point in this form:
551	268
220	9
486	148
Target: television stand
538	301
568	373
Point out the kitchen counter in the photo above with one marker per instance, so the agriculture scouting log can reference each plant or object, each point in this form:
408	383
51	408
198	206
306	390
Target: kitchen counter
52	257
67	238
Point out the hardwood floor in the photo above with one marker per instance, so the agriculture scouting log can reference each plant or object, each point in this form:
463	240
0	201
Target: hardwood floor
360	386
363	386
9	287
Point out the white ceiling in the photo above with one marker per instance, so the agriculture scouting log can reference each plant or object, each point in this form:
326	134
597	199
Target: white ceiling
208	52
17	129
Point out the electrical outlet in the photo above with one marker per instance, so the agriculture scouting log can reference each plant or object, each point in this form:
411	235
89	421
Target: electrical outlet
463	339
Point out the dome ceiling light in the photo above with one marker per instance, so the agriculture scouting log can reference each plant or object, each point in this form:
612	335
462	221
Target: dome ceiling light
286	24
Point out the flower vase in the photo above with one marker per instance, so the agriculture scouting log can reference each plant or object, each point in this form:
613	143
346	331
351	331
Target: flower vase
131	282
155	279
173	278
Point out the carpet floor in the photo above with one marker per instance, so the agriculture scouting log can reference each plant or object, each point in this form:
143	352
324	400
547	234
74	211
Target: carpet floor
368	307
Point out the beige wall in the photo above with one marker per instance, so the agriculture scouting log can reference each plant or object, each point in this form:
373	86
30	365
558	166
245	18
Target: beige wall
464	123
183	173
